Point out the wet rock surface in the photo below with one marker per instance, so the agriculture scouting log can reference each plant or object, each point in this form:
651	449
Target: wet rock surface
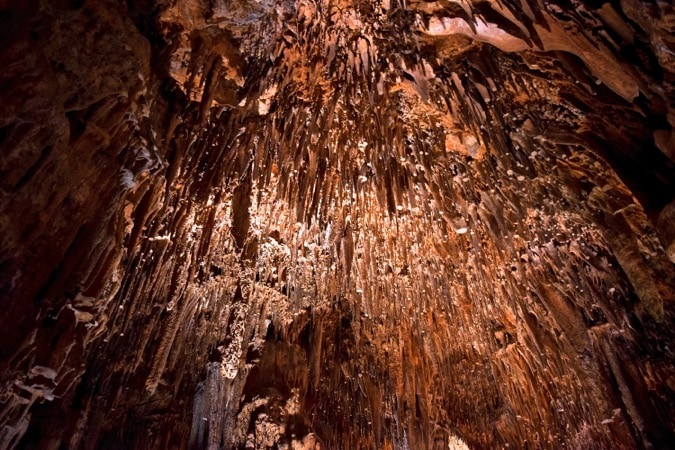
337	224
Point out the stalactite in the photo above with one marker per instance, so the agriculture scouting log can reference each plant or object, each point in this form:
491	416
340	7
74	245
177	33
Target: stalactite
336	224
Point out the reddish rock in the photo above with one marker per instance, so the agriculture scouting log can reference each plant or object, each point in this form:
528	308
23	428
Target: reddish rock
336	224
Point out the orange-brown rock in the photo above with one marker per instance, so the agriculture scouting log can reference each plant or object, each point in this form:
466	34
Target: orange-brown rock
337	224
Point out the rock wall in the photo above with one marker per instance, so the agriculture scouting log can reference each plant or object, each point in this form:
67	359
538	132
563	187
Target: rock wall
337	224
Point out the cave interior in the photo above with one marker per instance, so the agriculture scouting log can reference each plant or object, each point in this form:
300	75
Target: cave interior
337	224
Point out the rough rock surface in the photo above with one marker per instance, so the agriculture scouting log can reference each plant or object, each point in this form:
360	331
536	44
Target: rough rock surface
337	224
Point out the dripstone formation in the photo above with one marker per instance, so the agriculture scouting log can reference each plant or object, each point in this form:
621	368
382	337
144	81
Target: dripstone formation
337	224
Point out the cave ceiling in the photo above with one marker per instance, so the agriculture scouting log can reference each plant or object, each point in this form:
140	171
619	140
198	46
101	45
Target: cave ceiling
337	224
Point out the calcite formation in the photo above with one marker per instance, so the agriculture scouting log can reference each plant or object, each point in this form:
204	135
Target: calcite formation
337	224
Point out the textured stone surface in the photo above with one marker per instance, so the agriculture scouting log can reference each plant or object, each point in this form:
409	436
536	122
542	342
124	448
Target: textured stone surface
336	224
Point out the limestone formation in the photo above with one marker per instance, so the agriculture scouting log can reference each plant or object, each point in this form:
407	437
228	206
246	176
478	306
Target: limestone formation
337	224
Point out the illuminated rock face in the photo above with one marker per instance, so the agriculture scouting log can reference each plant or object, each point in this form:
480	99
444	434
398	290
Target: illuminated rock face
337	224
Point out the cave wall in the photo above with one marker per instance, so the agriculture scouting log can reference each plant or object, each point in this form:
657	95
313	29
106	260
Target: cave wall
336	224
